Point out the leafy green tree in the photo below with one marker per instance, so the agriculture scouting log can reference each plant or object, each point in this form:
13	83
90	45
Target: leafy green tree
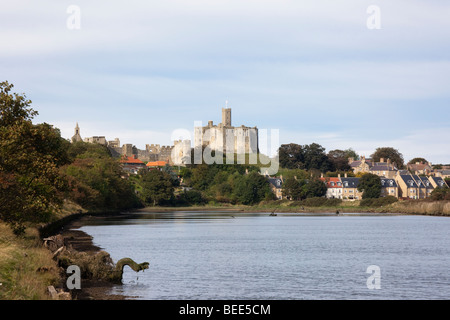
440	194
252	188
314	188
389	153
292	188
30	157
96	183
350	153
339	160
417	159
316	158
309	157
370	184
157	187
291	156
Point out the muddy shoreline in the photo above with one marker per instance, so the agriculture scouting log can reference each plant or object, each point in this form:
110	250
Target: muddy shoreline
91	289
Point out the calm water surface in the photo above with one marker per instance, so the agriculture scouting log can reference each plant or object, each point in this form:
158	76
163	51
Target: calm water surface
210	255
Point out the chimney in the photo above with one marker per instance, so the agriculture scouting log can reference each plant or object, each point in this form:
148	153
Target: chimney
381	159
339	175
345	175
321	175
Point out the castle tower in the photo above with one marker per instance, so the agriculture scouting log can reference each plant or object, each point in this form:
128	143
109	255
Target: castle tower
76	137
226	117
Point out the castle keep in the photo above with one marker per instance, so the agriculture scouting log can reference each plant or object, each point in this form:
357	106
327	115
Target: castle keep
226	138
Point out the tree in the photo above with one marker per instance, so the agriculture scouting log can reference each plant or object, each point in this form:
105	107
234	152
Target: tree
313	156
314	188
292	188
316	158
440	194
252	188
370	184
339	160
350	153
291	156
95	182
389	153
418	159
157	187
30	157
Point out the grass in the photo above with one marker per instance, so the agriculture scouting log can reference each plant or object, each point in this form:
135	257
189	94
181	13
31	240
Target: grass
26	267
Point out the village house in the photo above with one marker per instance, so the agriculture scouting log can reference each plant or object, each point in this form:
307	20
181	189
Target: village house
420	168
131	164
383	168
156	164
362	165
438	182
444	173
389	187
334	187
350	189
414	186
276	185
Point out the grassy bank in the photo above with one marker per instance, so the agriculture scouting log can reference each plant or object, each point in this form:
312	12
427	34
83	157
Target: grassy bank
26	267
439	208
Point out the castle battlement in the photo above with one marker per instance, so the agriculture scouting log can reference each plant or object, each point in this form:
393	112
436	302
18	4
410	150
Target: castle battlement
226	138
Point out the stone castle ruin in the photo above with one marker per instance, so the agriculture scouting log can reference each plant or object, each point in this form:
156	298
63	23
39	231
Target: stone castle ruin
152	152
222	137
226	138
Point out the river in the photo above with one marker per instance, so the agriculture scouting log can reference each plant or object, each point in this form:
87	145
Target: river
222	255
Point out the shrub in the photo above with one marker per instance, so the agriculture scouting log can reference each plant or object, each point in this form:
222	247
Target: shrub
378	202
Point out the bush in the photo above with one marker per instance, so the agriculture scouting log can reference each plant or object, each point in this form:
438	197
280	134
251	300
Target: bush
378	202
314	202
192	197
440	194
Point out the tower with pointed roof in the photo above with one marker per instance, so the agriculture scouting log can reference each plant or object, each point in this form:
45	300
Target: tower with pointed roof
76	137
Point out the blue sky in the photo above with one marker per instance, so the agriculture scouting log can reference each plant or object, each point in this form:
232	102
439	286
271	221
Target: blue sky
140	70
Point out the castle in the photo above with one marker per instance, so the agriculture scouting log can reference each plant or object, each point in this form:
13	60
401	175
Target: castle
226	138
152	152
222	137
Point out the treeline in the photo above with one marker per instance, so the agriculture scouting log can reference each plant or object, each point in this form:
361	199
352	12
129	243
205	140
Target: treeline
201	184
39	169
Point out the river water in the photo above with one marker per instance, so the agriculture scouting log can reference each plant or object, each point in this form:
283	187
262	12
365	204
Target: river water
214	255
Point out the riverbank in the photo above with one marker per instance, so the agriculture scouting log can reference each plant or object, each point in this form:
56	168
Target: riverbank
91	289
413	207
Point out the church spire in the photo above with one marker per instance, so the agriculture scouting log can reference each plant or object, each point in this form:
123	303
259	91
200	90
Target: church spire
76	137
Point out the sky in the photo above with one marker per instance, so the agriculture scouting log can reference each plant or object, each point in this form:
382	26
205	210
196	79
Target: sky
338	73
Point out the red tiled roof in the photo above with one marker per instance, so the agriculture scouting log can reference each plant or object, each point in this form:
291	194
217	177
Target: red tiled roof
130	160
156	164
328	181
